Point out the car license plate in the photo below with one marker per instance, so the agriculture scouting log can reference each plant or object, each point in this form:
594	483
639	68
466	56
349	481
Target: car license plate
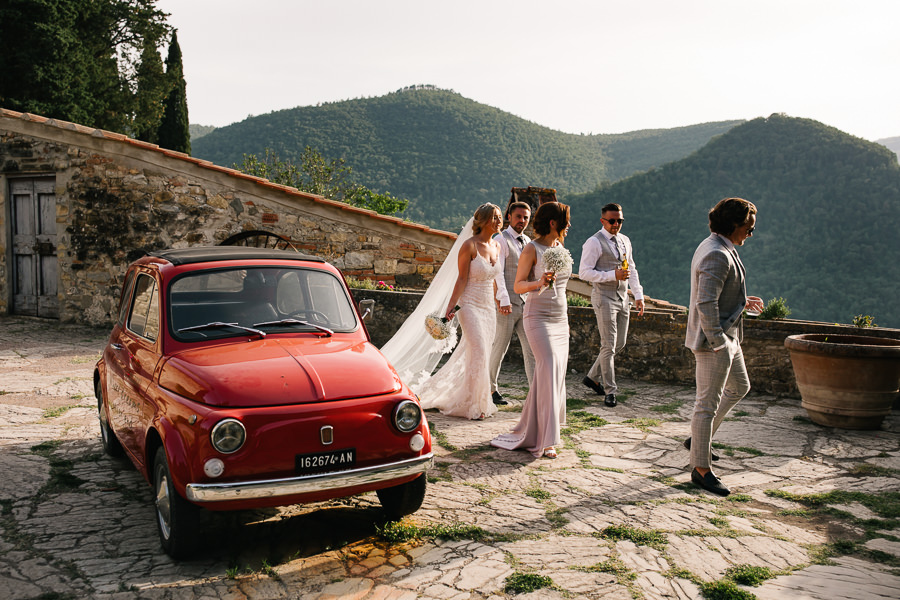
321	462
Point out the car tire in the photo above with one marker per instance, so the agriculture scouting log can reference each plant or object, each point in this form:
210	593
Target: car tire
111	444
176	518
403	499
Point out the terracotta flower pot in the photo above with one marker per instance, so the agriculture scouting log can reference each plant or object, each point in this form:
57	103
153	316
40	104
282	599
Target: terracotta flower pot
846	381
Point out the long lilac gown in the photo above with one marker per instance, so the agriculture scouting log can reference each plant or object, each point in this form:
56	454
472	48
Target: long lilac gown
547	329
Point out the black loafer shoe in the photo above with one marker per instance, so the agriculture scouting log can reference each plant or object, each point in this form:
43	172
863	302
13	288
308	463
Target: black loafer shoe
610	400
709	482
498	399
594	386
712	453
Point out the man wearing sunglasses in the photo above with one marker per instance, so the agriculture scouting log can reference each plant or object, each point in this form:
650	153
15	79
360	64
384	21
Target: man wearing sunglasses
715	330
607	261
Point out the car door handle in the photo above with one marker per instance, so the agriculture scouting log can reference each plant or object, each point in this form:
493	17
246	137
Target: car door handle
117	346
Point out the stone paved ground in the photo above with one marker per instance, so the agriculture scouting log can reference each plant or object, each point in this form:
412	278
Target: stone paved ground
613	517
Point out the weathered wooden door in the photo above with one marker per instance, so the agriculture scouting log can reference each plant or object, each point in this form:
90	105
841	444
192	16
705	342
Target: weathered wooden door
34	266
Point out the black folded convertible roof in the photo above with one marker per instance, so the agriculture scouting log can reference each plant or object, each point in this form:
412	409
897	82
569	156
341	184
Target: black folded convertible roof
198	254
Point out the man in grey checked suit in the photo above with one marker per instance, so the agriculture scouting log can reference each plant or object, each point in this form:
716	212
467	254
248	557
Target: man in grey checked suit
601	264
715	330
509	317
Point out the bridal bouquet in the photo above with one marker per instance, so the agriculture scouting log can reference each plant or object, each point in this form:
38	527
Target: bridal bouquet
556	259
441	328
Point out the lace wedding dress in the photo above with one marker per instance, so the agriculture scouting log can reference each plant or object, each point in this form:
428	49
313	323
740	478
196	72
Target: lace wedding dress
462	387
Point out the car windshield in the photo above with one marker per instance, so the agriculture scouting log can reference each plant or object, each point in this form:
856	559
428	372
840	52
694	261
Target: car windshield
269	299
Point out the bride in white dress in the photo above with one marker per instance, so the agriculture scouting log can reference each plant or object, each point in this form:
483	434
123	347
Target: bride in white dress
461	388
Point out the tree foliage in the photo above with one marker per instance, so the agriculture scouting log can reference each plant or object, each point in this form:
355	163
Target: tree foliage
448	154
316	175
174	129
76	60
152	87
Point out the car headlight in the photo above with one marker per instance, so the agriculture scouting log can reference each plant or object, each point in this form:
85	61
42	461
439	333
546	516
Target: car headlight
407	416
228	436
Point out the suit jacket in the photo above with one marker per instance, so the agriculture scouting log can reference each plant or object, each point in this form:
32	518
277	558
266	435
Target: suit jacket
718	295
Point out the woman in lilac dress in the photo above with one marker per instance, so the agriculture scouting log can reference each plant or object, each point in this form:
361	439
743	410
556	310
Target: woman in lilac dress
547	329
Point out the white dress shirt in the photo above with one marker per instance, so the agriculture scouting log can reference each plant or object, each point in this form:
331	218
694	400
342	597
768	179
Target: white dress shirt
593	249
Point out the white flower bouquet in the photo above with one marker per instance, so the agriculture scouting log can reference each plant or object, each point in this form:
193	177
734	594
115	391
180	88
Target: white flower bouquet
441	328
556	259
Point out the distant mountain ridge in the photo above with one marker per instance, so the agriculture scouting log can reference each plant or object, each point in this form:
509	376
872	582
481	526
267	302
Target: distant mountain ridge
826	237
892	143
448	154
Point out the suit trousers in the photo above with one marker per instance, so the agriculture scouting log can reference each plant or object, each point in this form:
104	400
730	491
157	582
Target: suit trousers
722	381
506	324
612	320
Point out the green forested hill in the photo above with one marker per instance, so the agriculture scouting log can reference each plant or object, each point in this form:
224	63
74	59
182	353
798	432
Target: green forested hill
448	154
826	237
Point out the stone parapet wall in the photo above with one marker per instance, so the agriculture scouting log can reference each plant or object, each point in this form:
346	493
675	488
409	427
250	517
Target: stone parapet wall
655	349
117	198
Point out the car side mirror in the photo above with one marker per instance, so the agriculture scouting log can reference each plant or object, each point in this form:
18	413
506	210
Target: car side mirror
367	308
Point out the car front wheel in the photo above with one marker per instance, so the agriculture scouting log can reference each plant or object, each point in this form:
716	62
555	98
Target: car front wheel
176	518
108	437
403	499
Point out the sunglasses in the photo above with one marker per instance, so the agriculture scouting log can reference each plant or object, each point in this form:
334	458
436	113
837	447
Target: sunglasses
614	221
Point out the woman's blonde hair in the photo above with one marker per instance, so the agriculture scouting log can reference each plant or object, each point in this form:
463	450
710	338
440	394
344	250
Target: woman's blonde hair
483	215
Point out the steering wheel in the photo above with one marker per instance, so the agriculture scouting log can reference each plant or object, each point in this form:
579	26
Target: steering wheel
313	316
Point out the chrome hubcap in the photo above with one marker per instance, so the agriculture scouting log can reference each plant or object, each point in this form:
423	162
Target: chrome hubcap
163	504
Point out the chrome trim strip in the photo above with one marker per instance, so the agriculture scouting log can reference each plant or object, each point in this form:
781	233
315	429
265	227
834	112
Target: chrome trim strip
274	488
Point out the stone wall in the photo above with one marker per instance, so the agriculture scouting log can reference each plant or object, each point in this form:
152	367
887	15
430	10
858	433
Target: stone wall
655	349
118	198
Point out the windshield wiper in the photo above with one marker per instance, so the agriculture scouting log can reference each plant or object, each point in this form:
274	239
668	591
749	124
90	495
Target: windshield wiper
218	324
325	330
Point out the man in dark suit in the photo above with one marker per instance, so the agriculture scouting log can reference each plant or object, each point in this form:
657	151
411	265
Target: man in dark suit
715	330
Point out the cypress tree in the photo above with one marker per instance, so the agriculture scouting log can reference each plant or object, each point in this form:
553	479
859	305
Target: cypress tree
174	131
152	88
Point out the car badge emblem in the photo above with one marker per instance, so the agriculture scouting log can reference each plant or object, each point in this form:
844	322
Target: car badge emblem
326	434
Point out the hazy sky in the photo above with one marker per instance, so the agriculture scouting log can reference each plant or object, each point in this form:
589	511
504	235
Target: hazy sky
580	66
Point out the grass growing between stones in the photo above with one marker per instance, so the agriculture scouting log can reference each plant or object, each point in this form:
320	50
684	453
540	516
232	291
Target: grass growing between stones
870	470
538	494
613	566
644	424
749	574
725	589
580	420
52	413
441	438
730	450
525	583
669	407
402	531
884	504
653	538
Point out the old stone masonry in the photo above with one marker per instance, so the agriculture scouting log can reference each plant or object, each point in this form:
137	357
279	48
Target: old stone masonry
815	512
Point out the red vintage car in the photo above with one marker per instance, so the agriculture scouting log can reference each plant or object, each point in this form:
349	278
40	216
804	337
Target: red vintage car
242	377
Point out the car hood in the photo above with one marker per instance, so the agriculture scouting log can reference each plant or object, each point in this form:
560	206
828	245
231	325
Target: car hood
275	372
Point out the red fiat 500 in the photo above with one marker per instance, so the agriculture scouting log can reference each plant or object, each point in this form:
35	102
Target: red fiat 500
244	377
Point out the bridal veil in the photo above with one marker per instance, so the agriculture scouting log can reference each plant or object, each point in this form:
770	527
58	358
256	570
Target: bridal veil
412	351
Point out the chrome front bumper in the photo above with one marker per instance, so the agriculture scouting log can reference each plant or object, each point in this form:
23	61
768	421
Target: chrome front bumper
274	488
